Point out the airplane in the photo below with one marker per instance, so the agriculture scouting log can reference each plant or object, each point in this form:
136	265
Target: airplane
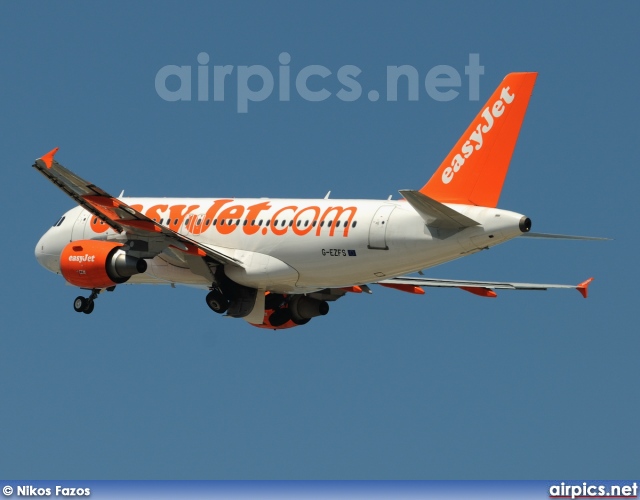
278	263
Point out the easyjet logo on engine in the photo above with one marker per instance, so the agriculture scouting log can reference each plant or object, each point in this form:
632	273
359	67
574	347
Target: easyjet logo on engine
476	139
226	218
82	258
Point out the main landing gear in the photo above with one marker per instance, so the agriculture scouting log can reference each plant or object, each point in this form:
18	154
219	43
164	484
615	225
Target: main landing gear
86	305
217	301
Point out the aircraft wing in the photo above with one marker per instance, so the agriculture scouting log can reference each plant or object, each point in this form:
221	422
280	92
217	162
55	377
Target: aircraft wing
482	288
117	214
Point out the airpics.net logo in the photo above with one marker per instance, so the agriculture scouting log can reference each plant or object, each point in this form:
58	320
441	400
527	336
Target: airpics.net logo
257	83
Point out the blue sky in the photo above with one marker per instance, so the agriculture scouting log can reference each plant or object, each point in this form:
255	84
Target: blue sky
448	385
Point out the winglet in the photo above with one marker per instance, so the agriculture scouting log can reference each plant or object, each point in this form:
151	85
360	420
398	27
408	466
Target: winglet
583	287
48	158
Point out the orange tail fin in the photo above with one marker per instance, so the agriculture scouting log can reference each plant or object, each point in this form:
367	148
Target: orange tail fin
475	169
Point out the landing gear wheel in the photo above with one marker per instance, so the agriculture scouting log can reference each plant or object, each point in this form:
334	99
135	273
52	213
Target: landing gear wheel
217	302
80	304
273	301
280	317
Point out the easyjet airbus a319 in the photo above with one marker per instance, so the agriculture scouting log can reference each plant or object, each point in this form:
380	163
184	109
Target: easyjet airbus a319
277	263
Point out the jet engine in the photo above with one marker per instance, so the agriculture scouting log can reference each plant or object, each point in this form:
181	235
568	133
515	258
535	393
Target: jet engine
282	311
98	264
304	308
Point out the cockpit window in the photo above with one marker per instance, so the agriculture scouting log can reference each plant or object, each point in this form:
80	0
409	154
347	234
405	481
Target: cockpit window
60	221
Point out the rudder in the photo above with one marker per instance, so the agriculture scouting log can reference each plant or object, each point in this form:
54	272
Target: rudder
475	169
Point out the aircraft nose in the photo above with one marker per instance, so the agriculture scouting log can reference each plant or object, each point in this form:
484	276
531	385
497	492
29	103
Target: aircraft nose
46	255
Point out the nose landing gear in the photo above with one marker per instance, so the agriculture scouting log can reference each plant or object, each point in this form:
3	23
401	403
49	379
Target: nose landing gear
80	304
86	305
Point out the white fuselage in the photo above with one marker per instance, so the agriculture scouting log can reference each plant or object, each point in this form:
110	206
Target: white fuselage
293	245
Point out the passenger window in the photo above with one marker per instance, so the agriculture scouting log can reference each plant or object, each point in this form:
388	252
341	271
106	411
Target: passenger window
338	224
222	222
245	222
238	222
306	223
314	223
186	222
207	222
354	223
268	222
175	222
291	223
161	221
260	223
329	223
283	223
215	221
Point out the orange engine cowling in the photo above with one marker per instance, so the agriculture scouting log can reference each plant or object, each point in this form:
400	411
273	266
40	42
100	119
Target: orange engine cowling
266	323
98	264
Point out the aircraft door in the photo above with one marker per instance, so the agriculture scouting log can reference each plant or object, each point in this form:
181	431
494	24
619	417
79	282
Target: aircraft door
378	228
77	233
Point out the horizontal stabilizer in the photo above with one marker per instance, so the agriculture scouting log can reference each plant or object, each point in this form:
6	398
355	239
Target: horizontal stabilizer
563	237
434	213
